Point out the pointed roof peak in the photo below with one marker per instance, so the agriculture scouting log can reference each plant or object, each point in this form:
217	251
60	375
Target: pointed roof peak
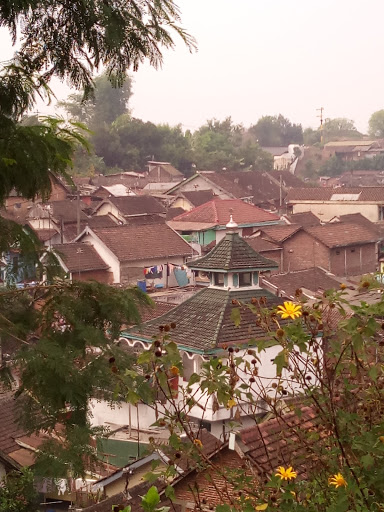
232	225
232	253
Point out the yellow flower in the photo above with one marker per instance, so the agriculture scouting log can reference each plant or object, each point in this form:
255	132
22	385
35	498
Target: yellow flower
289	310
198	443
174	370
286	474
231	403
381	438
337	480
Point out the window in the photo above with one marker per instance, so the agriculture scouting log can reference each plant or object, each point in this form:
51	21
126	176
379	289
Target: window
245	279
353	250
337	253
381	212
218	279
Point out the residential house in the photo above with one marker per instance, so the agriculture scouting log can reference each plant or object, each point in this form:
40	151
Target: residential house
124	208
118	190
267	189
219	183
188	200
81	262
283	156
327	203
132	180
268	248
206	224
303	219
344	249
349	150
311	282
163	172
151	252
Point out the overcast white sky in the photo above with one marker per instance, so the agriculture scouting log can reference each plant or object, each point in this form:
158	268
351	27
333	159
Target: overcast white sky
259	57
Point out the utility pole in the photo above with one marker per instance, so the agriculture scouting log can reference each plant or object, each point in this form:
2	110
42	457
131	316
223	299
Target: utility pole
321	110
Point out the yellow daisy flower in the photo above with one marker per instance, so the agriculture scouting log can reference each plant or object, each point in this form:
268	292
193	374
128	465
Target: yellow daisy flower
337	480
286	474
289	310
174	370
231	403
198	443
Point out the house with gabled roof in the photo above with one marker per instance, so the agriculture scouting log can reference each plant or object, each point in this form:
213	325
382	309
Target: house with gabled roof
123	208
150	252
191	199
163	172
344	249
327	202
81	262
206	224
219	183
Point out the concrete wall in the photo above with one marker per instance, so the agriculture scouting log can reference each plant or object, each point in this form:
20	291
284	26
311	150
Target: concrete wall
134	270
326	210
105	254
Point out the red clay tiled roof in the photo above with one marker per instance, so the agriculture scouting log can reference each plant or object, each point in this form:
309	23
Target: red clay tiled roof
366	194
198	197
281	232
225	182
45	234
80	257
131	243
9	428
279	442
339	234
303	219
260	244
67	210
313	279
218	212
137	205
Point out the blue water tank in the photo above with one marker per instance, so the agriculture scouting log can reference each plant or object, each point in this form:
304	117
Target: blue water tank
142	285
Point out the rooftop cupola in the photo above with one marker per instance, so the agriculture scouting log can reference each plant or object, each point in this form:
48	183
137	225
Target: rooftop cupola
232	263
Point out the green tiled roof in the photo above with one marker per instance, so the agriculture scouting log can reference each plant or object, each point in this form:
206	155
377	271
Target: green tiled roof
203	322
232	253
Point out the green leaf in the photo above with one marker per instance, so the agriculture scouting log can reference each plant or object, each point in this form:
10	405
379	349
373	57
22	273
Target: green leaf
235	316
223	508
150	500
144	357
170	492
193	379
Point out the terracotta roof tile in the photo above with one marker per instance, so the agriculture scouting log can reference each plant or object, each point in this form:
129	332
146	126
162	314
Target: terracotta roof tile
303	219
281	232
9	428
225	182
131	243
218	212
341	235
260	244
313	279
365	194
282	441
232	252
80	257
137	205
67	210
198	197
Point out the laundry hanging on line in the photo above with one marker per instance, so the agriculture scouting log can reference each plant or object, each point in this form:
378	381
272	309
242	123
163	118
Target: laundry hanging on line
155	272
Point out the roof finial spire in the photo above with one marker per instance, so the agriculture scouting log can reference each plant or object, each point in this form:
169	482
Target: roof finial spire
232	225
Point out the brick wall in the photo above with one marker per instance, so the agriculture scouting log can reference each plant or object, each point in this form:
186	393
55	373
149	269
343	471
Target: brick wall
302	251
102	276
276	256
354	260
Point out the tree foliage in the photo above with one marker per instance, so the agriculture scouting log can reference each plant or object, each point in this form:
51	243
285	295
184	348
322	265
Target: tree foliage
18	493
376	124
277	131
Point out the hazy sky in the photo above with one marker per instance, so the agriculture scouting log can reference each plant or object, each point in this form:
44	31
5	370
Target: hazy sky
259	57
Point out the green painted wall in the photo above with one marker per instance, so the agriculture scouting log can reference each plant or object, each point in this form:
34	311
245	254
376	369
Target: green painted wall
206	237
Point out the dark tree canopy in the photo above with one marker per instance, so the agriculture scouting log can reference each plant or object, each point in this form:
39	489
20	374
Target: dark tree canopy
277	131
